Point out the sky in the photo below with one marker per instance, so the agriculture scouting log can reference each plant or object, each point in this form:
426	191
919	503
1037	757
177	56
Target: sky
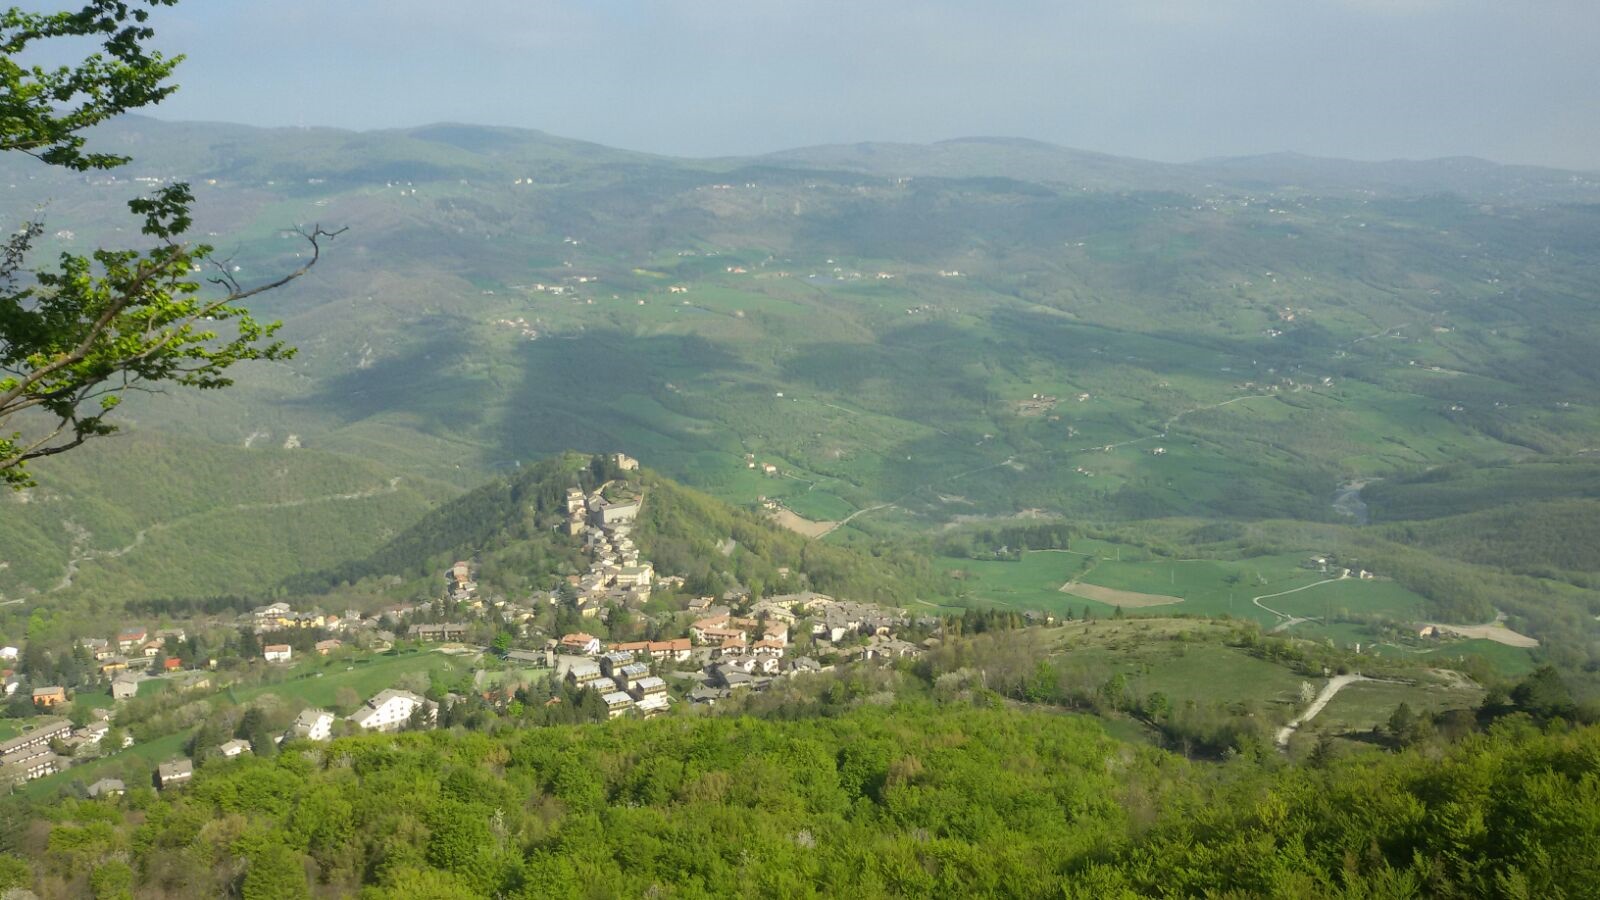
1173	80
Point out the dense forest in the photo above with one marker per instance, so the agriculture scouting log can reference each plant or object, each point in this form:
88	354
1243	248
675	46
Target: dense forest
908	801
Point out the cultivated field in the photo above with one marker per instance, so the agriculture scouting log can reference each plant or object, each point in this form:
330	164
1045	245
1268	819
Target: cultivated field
1117	597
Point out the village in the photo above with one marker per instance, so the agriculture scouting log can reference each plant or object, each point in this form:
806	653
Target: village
722	647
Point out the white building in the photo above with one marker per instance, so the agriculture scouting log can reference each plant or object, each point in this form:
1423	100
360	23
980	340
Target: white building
9	654
390	711
277	652
312	725
617	703
234	748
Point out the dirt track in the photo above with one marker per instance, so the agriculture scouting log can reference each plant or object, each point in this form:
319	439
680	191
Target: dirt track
1116	597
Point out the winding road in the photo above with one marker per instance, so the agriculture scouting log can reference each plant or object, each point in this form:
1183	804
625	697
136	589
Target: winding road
1287	620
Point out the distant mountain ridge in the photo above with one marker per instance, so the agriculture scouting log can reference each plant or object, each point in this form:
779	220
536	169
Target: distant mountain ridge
456	150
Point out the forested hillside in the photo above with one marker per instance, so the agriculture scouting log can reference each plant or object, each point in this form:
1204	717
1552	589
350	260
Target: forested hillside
908	802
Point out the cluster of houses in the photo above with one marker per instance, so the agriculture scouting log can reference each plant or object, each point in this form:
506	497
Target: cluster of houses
133	649
616	573
624	683
388	710
33	755
737	651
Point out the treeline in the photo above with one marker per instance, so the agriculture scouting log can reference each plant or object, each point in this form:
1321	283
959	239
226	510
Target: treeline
1009	541
912	802
1552	539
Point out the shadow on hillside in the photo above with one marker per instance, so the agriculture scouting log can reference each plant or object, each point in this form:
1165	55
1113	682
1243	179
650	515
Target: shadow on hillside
425	381
607	390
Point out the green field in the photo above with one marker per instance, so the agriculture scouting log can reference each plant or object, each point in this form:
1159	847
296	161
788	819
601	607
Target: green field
317	682
1208	587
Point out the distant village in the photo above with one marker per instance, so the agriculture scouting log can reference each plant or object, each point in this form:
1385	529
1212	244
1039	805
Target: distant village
733	643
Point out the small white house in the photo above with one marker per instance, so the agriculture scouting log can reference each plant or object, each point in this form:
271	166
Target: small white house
277	652
234	748
9	654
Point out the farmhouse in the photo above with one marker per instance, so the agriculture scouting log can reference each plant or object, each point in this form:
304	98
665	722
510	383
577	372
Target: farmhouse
173	773
107	787
277	652
47	697
125	688
234	748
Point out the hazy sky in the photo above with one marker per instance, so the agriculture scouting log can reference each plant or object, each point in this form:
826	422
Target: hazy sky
1511	80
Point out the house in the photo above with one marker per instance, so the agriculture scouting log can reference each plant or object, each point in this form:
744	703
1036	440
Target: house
234	748
49	696
277	652
131	638
312	725
10	654
613	661
173	773
36	740
674	649
890	648
114	665
617	703
272	617
390	710
575	500
629	675
328	646
625	462
125	688
581	674
767	648
634	576
192	681
171	664
648	685
442	631
151	649
804	665
29	764
707	696
612	512
107	787
652	705
537	658
580	643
